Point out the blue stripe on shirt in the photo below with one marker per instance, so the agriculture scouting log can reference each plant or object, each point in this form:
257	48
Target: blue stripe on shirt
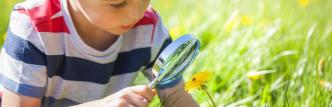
132	61
23	50
73	68
77	69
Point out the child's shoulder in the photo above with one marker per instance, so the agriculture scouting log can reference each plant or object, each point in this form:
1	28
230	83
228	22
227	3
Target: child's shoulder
33	23
44	15
151	17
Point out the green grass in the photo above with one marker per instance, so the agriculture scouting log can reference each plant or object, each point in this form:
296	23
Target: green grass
280	36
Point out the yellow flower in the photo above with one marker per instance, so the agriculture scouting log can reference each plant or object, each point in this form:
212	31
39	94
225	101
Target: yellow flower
303	3
198	81
246	20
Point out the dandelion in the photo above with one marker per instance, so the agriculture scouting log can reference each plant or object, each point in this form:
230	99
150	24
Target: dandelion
198	82
303	3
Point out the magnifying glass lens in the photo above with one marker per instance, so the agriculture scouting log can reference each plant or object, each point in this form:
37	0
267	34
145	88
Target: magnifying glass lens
174	59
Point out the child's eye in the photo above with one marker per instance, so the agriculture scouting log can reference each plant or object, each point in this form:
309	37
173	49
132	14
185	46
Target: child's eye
118	5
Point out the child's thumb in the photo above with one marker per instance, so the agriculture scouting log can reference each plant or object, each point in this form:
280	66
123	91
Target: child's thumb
143	90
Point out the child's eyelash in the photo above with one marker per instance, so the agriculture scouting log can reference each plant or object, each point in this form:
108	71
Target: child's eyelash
118	5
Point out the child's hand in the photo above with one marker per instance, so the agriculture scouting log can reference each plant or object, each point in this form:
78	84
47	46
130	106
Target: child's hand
135	96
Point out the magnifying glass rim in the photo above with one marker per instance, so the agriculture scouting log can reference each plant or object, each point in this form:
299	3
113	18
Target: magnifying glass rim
168	51
189	61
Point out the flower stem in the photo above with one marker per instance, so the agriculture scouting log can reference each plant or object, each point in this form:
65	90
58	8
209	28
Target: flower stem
213	104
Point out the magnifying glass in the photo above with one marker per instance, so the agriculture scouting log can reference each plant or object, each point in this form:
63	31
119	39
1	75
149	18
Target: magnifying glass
174	59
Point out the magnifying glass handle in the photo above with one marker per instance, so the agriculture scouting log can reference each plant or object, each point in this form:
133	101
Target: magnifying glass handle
153	83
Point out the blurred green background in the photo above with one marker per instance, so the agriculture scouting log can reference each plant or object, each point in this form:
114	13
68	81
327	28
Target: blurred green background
261	52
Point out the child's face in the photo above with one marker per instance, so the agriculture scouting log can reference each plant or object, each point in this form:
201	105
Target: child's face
114	16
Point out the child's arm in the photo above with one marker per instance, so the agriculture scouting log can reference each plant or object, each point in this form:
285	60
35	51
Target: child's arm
22	63
135	96
176	97
10	99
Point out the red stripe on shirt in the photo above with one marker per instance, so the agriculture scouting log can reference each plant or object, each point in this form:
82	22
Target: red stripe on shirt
41	17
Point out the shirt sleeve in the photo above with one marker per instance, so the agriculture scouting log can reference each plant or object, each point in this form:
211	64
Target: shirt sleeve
161	39
22	61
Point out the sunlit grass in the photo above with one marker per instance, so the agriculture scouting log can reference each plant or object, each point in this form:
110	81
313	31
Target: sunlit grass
263	53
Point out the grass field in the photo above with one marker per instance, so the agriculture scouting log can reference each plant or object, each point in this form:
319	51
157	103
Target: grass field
261	52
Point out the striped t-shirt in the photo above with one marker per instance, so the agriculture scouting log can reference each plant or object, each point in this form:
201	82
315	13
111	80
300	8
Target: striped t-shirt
44	57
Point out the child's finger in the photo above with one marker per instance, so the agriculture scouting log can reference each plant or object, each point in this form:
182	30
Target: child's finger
154	91
137	100
143	90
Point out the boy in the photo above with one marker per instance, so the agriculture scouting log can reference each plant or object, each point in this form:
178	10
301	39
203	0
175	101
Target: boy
84	53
